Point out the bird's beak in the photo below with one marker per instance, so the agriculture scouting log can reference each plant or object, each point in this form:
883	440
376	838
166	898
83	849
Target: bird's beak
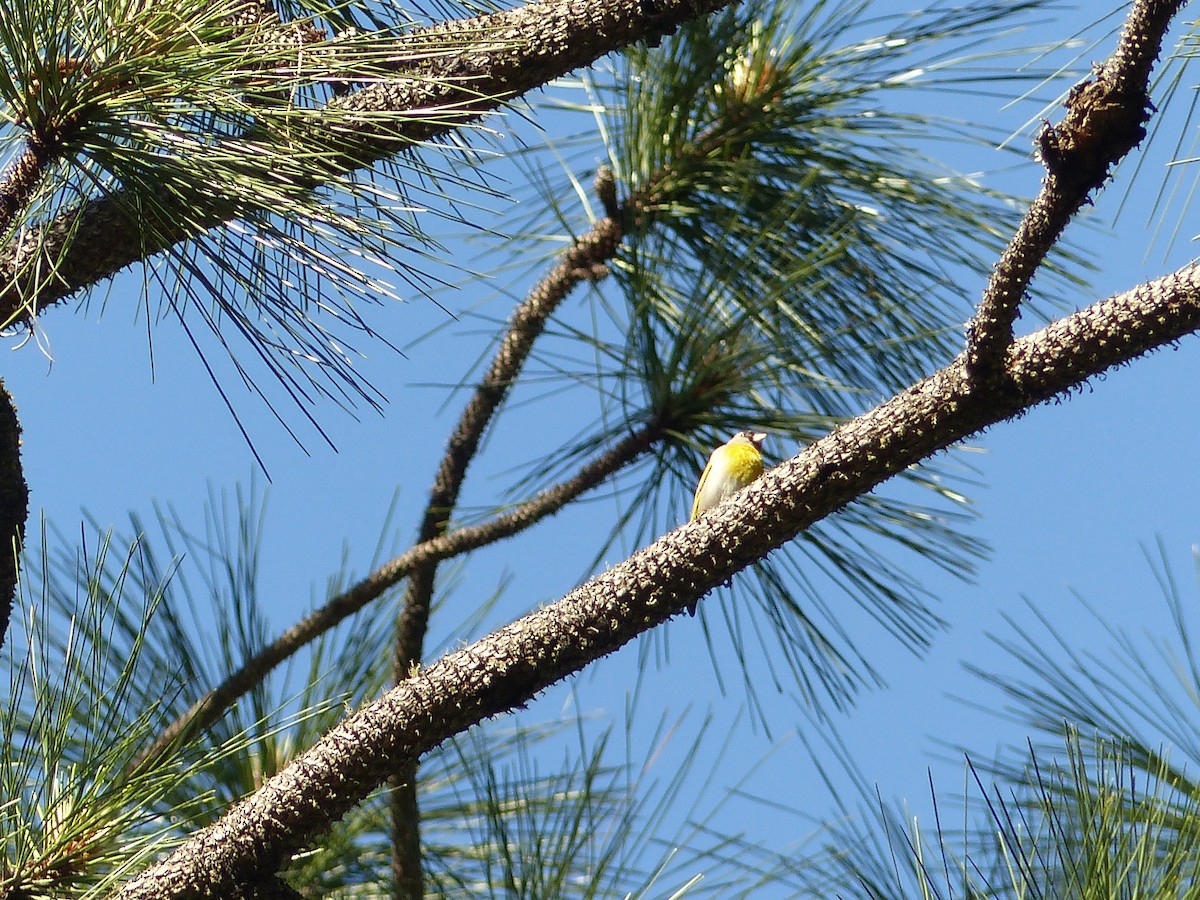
758	437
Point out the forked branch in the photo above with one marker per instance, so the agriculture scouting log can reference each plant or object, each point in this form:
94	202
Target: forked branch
1106	115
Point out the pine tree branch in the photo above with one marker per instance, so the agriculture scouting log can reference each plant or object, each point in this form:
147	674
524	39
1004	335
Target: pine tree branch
50	128
1106	115
20	180
408	871
14	506
518	50
212	705
512	665
585	260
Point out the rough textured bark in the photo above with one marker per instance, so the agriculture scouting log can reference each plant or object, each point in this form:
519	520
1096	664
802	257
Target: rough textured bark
517	51
408	872
14	506
1106	115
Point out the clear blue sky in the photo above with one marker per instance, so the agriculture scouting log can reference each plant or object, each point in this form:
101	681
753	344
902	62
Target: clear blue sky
1073	491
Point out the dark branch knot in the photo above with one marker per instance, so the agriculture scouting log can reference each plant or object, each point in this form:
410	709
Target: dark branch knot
1104	122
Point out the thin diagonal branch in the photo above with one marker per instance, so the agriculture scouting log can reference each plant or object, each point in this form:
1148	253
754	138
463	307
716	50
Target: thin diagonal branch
462	540
510	666
585	260
519	50
1106	115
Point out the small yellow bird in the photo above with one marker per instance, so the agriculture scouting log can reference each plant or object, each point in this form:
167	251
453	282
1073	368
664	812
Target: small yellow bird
731	467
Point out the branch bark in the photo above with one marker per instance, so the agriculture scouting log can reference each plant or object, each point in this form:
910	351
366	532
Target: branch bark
509	667
14	506
516	51
586	260
1106	115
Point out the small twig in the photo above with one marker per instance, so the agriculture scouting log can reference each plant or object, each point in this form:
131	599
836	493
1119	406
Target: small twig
1105	119
583	261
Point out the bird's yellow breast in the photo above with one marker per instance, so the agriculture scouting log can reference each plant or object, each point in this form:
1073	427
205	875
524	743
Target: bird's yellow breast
742	463
730	468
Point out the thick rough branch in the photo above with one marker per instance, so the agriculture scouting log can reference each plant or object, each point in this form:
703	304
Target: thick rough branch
509	667
14	506
19	181
1106	115
518	50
